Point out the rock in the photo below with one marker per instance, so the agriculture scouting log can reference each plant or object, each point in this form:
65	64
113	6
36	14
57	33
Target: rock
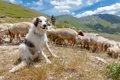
98	59
2	78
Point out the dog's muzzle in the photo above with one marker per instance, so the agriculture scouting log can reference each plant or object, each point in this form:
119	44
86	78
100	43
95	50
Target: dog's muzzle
44	26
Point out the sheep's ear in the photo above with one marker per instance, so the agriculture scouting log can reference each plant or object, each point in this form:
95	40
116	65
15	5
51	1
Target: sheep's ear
80	33
35	22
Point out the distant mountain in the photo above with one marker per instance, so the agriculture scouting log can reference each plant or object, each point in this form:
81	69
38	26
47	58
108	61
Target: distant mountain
109	17
102	22
13	10
70	21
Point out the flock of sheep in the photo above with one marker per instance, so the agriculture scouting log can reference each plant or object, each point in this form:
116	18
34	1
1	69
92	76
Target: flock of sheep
64	37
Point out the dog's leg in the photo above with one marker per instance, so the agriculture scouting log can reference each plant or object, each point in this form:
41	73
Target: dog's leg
49	50
19	66
47	60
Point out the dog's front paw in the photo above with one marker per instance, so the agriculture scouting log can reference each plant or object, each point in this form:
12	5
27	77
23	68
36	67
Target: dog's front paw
55	56
48	61
12	70
36	66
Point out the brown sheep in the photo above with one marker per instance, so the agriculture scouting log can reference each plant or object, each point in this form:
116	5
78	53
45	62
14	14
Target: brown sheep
64	34
88	40
19	29
93	41
114	51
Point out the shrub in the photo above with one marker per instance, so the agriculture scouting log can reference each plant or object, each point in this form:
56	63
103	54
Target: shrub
113	71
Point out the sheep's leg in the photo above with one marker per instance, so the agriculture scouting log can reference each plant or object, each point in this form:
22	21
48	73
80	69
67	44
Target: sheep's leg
18	38
11	38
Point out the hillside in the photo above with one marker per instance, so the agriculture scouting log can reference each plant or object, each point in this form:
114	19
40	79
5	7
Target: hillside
98	23
102	22
70	21
13	10
110	18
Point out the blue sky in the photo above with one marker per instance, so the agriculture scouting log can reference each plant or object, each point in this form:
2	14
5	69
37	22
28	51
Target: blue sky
77	8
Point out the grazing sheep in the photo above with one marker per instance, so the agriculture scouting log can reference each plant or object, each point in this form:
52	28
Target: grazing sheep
4	26
102	43
63	34
19	29
93	42
114	51
88	40
52	35
1	36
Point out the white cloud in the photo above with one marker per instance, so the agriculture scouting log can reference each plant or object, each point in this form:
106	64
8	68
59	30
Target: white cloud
65	11
73	13
90	2
66	2
36	5
112	9
62	7
65	6
68	6
15	1
12	1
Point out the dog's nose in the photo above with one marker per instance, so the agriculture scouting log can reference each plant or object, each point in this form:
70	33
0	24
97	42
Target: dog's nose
44	25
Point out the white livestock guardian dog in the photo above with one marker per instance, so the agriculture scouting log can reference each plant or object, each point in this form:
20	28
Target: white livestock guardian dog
35	40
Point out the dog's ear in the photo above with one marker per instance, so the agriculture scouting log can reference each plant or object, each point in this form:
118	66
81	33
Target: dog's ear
35	22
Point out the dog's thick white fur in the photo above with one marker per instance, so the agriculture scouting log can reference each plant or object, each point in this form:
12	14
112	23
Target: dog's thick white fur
36	40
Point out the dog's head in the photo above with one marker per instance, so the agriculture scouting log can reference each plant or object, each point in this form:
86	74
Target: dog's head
41	23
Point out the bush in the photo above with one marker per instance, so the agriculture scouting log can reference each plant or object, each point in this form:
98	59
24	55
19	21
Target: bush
113	71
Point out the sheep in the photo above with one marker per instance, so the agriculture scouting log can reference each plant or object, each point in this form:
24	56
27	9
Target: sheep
93	41
19	29
3	32
64	34
114	51
88	40
52	35
1	36
102	43
5	26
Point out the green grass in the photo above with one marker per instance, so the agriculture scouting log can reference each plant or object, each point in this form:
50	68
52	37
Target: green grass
13	10
114	71
115	37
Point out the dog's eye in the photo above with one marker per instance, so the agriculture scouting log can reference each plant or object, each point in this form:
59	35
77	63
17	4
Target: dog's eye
40	21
